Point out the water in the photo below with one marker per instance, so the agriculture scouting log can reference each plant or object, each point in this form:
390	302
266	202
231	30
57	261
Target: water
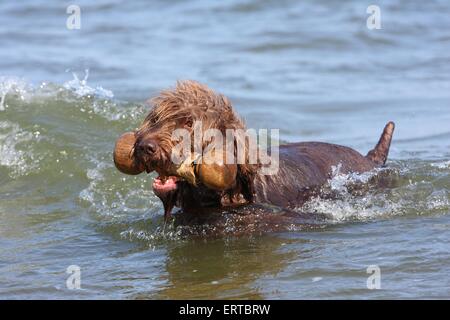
310	68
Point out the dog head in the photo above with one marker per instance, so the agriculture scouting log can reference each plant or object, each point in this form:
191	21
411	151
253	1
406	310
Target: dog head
187	105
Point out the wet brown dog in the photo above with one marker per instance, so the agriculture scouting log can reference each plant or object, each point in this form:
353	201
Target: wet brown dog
303	167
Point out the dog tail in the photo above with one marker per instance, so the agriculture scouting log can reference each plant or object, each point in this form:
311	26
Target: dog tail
380	153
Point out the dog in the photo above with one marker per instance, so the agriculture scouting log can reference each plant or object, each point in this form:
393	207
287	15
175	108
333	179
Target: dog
304	167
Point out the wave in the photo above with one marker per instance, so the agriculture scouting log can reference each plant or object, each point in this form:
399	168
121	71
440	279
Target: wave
12	85
19	160
64	135
18	94
81	89
406	188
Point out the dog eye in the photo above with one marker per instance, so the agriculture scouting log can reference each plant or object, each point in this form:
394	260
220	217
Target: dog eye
188	123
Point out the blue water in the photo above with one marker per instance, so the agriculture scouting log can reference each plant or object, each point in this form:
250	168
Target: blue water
310	68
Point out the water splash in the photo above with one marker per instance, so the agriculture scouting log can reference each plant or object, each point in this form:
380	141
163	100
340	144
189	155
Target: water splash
347	197
442	165
102	103
407	188
122	200
81	89
152	234
13	86
340	182
19	161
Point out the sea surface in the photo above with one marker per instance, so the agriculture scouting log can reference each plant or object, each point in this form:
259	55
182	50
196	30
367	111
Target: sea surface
309	68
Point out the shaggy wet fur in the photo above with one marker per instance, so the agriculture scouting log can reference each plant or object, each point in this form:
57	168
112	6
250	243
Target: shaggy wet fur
191	101
304	167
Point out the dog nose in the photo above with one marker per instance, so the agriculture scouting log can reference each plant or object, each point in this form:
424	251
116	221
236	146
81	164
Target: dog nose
148	147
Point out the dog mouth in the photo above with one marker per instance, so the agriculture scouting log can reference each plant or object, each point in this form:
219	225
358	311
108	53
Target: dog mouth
165	184
165	188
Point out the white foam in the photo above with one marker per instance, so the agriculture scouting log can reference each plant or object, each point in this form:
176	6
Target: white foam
103	104
14	86
339	182
352	208
442	165
438	200
81	89
19	161
150	236
100	101
343	206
